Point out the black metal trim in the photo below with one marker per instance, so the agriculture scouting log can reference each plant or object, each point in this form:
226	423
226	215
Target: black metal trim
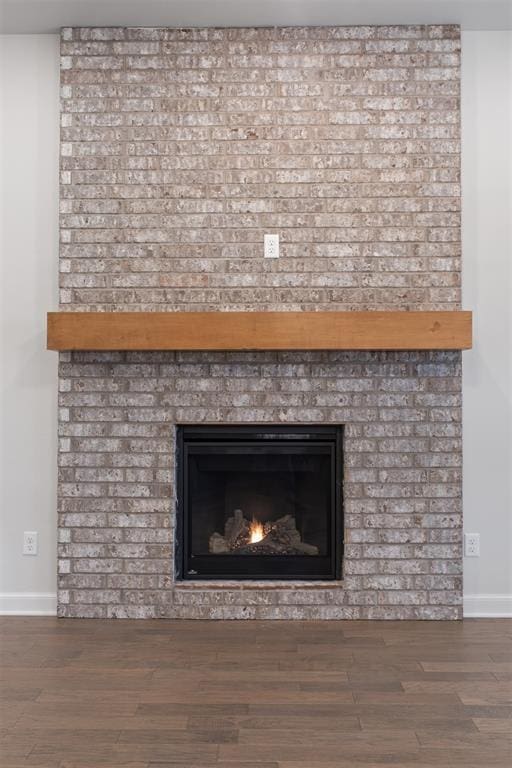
339	514
289	567
286	567
179	485
258	432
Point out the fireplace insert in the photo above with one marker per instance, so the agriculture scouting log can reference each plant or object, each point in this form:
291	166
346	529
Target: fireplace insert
259	502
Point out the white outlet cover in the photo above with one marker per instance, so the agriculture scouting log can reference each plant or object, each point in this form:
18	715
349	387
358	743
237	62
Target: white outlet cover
271	246
30	543
472	544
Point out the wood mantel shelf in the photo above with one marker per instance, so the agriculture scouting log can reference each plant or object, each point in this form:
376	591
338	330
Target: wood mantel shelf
259	330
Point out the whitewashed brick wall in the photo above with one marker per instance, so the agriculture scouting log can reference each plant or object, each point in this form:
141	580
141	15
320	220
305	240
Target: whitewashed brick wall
180	149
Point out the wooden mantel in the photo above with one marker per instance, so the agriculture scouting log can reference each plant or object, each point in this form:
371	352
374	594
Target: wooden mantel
259	330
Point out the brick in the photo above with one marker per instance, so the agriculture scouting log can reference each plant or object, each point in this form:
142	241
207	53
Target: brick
180	149
306	105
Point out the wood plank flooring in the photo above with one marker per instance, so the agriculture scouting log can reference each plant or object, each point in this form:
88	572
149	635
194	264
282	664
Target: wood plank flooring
155	694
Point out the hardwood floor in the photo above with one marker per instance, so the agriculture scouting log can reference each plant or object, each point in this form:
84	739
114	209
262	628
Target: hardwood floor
80	694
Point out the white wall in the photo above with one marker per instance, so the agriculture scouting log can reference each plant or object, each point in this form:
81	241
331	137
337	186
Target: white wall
487	290
29	136
28	287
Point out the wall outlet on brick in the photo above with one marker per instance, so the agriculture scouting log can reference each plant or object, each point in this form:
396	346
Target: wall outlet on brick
30	543
271	246
472	544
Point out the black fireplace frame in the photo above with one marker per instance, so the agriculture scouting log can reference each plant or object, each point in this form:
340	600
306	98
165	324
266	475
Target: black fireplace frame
283	568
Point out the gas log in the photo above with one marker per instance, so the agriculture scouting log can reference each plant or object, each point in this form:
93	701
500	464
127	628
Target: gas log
241	537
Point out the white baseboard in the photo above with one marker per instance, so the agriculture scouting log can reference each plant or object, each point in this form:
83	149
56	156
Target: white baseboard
28	604
488	606
45	604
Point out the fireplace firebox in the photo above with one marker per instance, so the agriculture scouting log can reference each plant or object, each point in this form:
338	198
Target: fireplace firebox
259	502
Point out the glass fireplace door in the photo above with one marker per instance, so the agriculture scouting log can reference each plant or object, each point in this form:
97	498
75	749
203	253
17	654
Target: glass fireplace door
258	503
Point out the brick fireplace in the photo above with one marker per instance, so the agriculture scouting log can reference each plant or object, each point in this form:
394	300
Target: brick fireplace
180	149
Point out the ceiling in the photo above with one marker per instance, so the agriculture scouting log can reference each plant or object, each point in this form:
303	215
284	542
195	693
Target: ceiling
37	16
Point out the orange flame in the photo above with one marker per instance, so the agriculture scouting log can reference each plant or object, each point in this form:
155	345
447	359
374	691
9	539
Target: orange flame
256	532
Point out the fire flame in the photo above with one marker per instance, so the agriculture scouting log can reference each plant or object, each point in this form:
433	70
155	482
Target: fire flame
256	531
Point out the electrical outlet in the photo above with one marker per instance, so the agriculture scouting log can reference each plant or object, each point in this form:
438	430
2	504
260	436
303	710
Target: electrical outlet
271	246
472	544
30	543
